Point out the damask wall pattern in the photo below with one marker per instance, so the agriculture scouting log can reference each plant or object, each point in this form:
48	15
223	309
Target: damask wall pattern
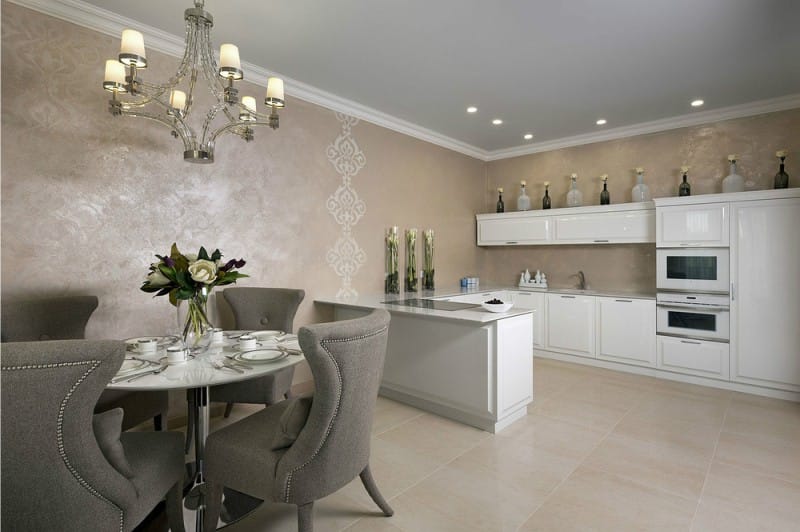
346	257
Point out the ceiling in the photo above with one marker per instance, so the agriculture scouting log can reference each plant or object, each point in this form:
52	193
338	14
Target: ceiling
550	68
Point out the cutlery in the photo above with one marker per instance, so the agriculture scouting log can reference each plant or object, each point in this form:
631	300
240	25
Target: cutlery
131	378
237	335
236	362
289	350
221	365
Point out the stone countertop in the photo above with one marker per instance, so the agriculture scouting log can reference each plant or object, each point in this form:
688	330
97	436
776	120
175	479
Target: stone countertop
453	291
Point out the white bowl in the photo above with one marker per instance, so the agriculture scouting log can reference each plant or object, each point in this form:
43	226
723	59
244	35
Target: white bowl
497	307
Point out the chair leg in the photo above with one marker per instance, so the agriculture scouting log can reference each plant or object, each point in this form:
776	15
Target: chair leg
158	422
228	408
372	489
305	517
213	501
175	507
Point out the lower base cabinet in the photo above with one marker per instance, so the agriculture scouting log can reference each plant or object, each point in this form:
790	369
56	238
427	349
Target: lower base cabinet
570	324
626	330
694	357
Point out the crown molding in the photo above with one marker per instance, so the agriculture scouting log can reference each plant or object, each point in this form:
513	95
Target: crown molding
782	103
109	23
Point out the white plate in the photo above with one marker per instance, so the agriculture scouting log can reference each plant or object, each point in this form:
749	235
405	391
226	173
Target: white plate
130	365
261	356
266	335
162	341
497	307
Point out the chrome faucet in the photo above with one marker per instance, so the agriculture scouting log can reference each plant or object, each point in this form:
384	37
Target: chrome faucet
581	280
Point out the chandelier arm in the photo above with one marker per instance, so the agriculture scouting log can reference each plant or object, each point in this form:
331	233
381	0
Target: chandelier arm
187	143
228	127
209	64
183	68
212	113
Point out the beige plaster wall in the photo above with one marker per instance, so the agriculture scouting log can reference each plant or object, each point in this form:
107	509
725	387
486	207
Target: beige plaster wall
705	148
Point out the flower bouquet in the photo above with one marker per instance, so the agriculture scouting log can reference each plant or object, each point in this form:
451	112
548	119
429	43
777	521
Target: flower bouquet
427	268
391	282
411	260
190	278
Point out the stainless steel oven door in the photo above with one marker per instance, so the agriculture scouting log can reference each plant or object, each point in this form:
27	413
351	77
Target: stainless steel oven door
693	270
705	322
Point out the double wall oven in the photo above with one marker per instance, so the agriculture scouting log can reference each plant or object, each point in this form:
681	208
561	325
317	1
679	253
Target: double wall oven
693	299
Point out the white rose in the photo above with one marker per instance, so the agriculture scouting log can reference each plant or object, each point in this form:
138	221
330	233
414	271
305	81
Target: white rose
547	183
156	278
191	257
574	176
639	170
604	177
780	153
203	271
523	183
684	169
500	190
733	157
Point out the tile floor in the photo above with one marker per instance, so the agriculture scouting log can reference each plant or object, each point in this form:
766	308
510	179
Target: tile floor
599	450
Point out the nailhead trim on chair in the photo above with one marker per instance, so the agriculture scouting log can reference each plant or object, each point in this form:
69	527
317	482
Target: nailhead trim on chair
287	491
60	425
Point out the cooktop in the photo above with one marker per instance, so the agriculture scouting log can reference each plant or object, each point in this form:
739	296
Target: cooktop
431	304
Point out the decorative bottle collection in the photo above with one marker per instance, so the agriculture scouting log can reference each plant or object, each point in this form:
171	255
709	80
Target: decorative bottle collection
574	196
546	199
685	189
501	207
734	182
605	197
523	201
640	191
411	260
781	178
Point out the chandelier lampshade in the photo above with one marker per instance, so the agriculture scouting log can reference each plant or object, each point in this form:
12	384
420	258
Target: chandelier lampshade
171	103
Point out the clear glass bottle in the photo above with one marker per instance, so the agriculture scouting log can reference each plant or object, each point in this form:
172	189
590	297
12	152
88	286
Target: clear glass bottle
640	191
685	189
781	178
546	204
574	196
605	197
501	207
734	182
523	201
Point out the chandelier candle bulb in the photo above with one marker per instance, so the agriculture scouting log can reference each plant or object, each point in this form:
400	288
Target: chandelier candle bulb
177	100
131	51
114	79
250	105
229	65
274	92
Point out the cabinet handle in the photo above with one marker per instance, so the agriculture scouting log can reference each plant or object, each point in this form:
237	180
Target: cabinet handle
567	297
511	242
601	240
733	292
689	342
624	300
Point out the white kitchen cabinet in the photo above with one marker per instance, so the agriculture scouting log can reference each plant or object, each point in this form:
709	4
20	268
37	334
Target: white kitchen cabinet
477	297
535	302
692	225
694	357
765	295
513	229
606	227
570	324
626	330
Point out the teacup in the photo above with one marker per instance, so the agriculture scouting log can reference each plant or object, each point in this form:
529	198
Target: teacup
216	336
247	341
147	346
176	354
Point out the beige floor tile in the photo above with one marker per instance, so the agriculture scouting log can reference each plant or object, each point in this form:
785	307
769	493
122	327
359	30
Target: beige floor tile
738	500
374	524
556	436
674	468
606	392
584	413
779	419
761	454
690	408
434	437
595	500
671	432
389	414
413	515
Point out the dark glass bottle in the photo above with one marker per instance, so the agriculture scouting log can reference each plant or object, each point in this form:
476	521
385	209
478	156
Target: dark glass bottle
546	199
501	207
782	178
605	197
685	189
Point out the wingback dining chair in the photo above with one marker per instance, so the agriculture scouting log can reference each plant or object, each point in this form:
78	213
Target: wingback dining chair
257	308
303	449
63	467
65	318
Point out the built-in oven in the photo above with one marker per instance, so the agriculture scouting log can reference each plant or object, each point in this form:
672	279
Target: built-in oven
700	316
693	270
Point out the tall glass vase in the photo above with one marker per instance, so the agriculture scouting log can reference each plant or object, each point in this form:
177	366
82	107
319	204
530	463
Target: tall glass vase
193	321
411	260
427	264
391	279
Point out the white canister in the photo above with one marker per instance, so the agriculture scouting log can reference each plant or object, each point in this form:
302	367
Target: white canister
217	336
147	346
247	341
176	354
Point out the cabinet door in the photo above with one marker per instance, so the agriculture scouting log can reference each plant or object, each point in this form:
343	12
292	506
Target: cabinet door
535	302
570	324
514	231
626	330
693	225
693	357
606	227
765	302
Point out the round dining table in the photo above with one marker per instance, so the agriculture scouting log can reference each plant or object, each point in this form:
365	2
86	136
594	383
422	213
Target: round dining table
220	363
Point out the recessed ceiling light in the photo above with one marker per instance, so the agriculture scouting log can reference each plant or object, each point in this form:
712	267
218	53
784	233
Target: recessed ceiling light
697	103
497	121
528	136
472	109
601	122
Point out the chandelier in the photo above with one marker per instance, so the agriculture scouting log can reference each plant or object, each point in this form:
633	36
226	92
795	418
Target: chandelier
170	106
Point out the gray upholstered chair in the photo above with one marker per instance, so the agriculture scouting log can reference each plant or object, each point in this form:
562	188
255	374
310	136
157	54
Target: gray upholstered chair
303	449
63	467
65	318
257	309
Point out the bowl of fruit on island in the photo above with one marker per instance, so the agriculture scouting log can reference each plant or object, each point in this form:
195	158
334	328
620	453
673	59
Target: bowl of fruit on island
495	305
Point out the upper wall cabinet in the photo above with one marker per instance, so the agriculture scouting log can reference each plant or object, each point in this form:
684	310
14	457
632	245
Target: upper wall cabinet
705	224
603	224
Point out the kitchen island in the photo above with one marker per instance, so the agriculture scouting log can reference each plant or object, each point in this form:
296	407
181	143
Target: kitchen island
467	364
